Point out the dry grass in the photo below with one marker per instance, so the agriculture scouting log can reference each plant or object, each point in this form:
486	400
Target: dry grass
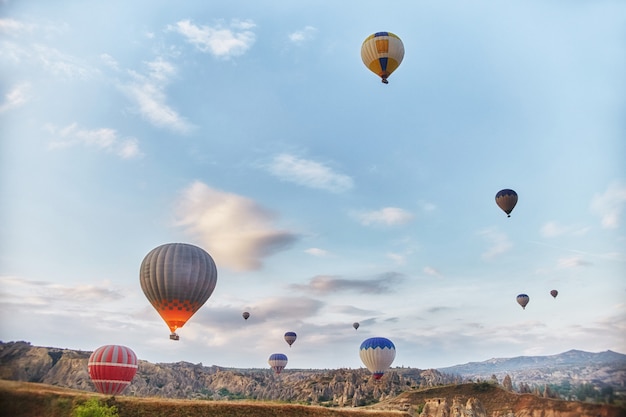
24	399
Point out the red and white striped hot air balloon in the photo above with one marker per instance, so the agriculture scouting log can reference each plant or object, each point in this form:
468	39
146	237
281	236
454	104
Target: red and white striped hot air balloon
111	368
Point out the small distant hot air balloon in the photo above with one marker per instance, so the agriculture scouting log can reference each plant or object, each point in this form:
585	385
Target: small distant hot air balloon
382	53
355	325
377	353
111	368
554	293
506	199
290	337
277	362
177	279
523	300
245	315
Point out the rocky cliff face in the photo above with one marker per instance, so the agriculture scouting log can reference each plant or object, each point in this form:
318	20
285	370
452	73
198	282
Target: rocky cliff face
342	387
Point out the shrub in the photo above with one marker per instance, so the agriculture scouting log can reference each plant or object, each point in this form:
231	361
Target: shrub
93	408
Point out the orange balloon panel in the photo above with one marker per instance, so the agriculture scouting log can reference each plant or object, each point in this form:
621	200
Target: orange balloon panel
176	312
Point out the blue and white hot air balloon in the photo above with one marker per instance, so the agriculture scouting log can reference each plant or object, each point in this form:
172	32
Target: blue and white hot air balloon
277	361
523	300
377	353
290	337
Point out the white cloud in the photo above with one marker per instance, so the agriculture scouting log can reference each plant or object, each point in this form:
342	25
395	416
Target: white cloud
235	230
105	139
317	252
610	205
308	173
61	64
110	62
572	262
147	91
300	36
388	216
398	258
14	27
554	229
16	97
500	243
222	42
429	270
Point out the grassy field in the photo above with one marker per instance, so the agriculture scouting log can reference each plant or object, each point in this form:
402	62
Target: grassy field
25	399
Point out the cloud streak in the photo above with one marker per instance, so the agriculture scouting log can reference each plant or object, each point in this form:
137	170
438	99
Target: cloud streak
105	139
16	97
387	216
500	243
308	173
328	284
235	230
610	205
219	41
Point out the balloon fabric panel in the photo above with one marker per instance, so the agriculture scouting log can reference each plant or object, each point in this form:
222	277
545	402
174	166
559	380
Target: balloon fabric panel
111	368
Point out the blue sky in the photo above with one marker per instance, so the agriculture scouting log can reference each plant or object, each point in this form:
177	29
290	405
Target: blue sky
253	130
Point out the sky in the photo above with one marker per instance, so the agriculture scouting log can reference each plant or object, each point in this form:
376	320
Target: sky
325	197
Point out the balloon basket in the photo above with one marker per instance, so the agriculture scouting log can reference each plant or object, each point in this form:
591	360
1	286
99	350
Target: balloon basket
174	336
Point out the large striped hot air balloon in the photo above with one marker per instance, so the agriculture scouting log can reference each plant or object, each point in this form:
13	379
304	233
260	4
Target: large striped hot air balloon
290	337
277	362
523	300
506	199
377	353
177	279
111	368
382	53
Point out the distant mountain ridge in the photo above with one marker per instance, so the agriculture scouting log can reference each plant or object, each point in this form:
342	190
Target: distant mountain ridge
566	359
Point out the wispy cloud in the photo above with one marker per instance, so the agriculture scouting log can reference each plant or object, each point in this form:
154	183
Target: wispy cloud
554	229
303	35
148	92
499	243
235	230
433	272
105	139
308	173
388	216
220	41
16	97
326	284
317	252
15	27
610	205
572	262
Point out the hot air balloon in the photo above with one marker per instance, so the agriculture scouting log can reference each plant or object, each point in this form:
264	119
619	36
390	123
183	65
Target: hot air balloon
177	279
355	325
290	337
111	368
523	300
382	53
506	199
245	315
554	293
277	362
377	353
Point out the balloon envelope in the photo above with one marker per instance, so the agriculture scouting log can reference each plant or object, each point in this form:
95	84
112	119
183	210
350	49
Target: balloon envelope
277	362
111	368
506	199
355	325
382	53
177	279
245	315
290	337
554	293
523	300
377	353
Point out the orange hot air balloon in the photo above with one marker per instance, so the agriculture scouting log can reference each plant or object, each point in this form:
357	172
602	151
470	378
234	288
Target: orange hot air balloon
382	53
177	279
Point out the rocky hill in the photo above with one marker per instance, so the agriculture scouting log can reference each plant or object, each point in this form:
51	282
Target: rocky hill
401	389
20	361
571	374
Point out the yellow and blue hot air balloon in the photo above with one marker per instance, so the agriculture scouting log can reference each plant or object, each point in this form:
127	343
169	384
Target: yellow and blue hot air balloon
506	199
177	279
523	300
277	362
377	353
382	53
290	337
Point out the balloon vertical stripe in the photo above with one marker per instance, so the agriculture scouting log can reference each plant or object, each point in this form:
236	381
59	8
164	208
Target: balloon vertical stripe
112	368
